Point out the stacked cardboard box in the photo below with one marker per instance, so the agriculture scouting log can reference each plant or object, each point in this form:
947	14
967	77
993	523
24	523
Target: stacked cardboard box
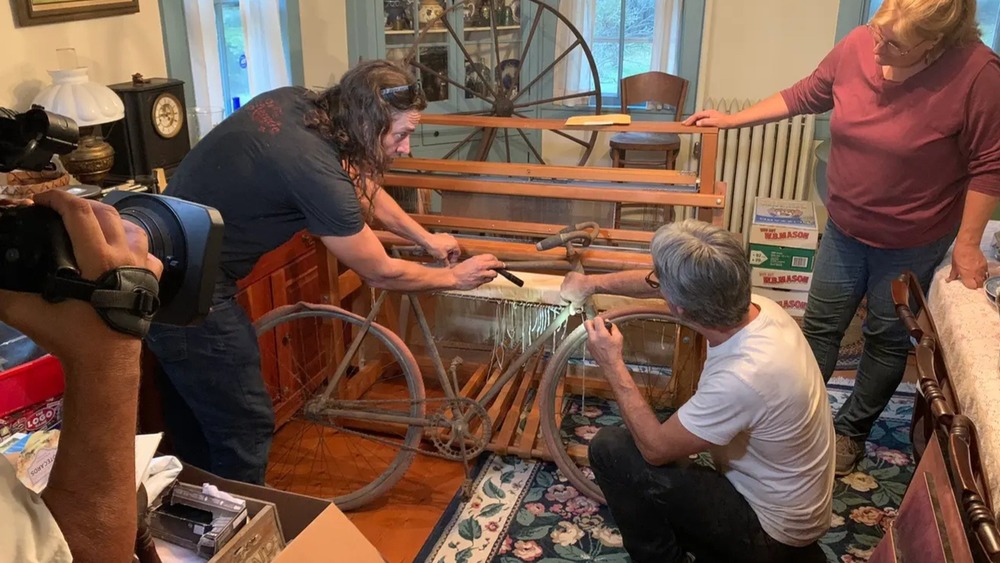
783	241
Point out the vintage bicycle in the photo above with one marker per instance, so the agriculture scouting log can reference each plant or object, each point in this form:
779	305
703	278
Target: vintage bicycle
358	420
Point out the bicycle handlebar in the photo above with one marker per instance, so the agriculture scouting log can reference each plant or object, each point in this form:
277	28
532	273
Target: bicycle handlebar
584	233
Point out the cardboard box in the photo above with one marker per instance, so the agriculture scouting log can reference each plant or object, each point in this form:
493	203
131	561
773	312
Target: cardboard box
793	302
779	279
313	529
782	258
782	222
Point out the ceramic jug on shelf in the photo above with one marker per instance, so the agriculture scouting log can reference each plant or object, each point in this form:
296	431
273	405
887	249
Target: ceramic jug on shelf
430	11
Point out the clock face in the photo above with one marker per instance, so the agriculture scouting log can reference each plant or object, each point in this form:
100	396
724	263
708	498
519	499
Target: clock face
168	116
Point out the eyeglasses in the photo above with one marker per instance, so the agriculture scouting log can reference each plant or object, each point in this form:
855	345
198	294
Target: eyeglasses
650	279
403	95
893	47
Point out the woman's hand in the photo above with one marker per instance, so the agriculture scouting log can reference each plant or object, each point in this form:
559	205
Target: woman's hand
709	118
968	264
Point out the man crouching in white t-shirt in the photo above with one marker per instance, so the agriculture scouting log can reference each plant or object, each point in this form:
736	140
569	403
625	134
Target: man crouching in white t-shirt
761	410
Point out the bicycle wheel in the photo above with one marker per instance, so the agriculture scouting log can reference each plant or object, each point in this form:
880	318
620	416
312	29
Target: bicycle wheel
576	400
349	460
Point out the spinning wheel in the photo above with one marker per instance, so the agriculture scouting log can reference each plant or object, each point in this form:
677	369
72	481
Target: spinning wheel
506	89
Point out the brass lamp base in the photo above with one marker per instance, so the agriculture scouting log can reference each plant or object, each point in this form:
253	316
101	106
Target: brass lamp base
91	160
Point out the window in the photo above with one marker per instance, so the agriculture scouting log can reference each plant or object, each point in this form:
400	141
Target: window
628	37
232	54
622	44
987	12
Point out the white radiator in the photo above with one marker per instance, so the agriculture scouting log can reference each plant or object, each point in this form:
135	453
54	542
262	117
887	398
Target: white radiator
770	160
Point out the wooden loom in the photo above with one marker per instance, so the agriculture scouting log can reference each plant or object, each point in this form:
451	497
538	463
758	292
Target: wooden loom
598	184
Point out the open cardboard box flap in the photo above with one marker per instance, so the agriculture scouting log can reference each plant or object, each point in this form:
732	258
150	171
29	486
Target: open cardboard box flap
314	528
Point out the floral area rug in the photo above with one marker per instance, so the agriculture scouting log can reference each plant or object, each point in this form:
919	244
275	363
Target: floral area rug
525	511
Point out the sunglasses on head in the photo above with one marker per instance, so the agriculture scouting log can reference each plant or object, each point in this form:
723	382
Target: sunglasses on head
404	94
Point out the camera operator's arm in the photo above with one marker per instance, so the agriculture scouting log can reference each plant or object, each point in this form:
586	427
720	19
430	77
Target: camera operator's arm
387	211
91	489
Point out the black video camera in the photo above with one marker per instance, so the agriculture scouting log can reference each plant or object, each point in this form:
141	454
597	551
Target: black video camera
35	248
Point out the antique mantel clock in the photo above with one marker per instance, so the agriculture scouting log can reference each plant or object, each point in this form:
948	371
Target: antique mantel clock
154	133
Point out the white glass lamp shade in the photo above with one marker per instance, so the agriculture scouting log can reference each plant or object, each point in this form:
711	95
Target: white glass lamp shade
73	95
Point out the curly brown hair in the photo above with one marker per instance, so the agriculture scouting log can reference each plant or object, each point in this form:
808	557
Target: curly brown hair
356	113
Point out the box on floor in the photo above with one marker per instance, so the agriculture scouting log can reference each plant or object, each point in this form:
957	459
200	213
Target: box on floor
305	529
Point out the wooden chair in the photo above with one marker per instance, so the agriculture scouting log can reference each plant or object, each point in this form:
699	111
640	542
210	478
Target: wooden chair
660	88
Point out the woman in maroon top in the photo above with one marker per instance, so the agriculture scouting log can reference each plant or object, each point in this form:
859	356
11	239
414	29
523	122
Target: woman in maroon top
914	166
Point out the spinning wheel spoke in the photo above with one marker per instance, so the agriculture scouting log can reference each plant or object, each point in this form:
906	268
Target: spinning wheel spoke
557	99
468	57
447	79
531	35
506	143
545	71
531	146
463	142
567	136
496	44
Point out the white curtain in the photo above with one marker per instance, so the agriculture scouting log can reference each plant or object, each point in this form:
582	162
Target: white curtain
203	42
667	36
265	48
573	75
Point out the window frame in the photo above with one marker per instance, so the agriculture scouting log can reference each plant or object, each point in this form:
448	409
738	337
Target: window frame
688	63
220	33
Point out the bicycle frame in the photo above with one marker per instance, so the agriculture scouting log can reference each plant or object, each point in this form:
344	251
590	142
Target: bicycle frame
362	410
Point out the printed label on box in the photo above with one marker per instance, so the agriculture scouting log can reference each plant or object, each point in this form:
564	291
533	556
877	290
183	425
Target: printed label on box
793	302
786	223
782	258
780	279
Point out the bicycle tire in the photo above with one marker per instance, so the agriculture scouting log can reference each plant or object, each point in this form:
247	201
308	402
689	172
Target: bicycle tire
415	390
551	382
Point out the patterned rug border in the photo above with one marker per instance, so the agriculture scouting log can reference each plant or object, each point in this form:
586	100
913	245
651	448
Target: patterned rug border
491	466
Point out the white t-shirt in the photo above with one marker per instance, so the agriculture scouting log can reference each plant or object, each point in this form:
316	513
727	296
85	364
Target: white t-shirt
29	533
762	402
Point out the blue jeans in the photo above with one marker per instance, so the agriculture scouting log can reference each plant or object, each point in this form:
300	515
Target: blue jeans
215	406
846	271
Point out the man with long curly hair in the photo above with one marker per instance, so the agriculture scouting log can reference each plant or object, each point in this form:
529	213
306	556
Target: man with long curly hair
289	160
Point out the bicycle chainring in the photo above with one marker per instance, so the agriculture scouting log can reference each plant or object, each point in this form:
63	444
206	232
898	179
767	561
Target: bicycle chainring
461	429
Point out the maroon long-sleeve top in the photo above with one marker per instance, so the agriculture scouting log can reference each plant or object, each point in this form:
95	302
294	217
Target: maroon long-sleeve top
903	154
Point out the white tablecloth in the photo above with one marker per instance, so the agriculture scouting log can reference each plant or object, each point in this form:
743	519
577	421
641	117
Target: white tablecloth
968	328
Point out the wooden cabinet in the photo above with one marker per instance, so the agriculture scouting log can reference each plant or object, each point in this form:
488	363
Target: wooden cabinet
299	270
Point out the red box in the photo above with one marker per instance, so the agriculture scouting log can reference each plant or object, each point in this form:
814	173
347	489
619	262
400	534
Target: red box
29	384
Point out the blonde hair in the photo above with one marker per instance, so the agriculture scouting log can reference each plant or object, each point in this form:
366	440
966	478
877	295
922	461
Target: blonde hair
913	21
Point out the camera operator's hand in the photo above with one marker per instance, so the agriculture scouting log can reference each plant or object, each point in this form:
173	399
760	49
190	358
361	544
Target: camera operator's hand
72	330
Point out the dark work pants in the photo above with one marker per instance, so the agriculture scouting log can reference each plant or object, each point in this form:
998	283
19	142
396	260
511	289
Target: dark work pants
216	408
665	511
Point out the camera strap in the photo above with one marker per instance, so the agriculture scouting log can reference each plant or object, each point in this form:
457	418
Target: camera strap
126	298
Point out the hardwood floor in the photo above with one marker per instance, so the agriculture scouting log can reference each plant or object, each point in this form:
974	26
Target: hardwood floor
400	523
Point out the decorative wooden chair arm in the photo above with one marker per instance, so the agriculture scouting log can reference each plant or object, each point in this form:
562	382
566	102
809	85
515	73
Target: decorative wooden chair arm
969	476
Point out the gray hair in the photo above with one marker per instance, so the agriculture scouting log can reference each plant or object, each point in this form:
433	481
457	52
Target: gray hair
704	270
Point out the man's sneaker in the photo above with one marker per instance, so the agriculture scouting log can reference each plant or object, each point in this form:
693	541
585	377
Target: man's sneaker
849	452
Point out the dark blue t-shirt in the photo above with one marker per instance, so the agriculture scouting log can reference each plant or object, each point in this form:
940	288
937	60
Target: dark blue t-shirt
269	176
